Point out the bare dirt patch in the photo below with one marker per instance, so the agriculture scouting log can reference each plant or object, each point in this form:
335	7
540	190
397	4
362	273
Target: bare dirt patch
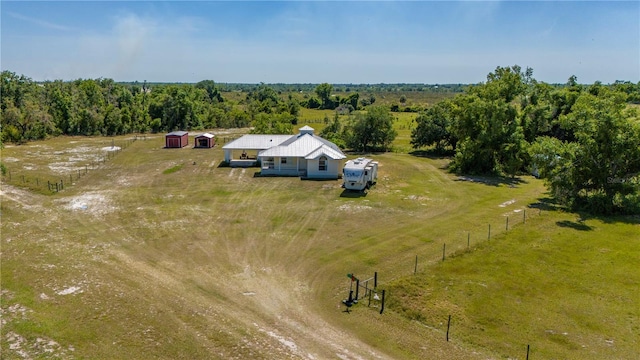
110	148
507	203
94	202
353	208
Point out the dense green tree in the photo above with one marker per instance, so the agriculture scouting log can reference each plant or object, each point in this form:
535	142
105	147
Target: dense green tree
352	100
273	124
483	126
601	172
333	131
324	93
210	87
434	127
372	131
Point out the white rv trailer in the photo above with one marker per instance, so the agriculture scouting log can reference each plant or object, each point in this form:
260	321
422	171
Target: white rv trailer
359	174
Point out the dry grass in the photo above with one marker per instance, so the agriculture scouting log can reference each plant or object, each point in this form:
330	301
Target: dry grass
206	262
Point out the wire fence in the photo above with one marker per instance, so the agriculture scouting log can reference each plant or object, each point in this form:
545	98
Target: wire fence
49	184
450	248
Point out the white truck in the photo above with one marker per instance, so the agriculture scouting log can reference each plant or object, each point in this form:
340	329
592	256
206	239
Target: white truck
359	174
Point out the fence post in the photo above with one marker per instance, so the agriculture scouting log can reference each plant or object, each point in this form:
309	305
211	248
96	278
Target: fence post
444	246
61	185
489	236
415	269
507	227
375	279
448	325
382	306
468	240
527	351
357	288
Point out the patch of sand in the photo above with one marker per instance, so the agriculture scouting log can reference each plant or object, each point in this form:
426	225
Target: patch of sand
507	203
351	208
94	202
110	148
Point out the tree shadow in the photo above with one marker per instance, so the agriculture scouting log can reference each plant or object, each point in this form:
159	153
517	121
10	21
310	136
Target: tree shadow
550	204
493	180
433	154
546	204
579	225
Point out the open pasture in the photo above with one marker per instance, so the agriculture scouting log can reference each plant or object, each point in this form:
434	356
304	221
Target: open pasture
163	253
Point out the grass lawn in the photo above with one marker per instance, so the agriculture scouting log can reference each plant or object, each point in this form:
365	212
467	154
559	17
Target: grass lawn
161	253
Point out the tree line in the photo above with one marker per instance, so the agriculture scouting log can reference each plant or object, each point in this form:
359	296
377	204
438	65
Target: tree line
584	140
33	111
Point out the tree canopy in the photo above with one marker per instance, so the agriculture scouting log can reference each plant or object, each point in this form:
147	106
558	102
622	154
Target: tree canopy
583	140
371	131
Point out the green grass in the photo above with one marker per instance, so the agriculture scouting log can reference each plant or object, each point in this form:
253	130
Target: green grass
566	287
173	169
209	261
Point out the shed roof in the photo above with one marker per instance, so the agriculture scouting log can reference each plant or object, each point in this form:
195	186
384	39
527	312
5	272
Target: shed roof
207	135
177	133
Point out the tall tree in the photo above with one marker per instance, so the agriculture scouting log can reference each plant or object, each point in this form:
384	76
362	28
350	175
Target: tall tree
371	131
434	127
601	173
324	93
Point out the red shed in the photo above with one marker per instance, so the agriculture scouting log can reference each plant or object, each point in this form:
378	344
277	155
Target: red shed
205	140
177	139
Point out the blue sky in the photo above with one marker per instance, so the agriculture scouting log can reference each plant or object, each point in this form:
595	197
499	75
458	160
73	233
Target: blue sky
320	41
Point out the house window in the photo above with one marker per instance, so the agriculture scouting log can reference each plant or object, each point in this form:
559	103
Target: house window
283	160
322	163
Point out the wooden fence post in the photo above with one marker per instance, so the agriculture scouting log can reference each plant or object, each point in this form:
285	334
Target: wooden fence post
448	325
444	246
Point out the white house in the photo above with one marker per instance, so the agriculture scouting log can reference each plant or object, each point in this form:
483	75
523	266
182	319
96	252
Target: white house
305	154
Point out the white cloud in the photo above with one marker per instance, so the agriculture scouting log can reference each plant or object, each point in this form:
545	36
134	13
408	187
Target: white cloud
39	22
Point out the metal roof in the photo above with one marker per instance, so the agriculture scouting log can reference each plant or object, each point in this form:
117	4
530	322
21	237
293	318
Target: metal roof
328	152
304	146
256	142
207	135
177	133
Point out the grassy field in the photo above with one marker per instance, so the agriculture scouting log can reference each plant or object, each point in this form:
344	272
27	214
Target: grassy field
161	253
